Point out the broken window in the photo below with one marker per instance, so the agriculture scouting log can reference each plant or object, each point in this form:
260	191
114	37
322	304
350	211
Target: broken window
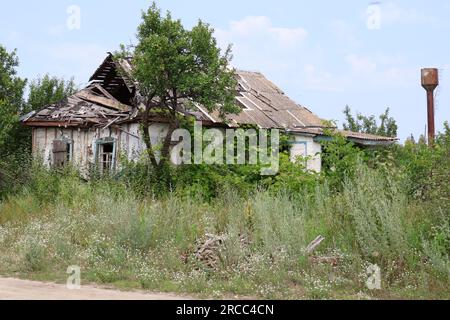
62	152
105	157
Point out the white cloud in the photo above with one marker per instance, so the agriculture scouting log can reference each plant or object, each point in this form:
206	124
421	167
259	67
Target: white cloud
392	13
259	45
381	70
359	64
261	28
283	55
362	72
289	37
76	52
319	80
64	56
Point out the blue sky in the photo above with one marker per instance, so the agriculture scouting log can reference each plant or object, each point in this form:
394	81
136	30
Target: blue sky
324	54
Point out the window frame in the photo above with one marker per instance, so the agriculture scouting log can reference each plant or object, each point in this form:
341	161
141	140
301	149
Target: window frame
69	142
97	146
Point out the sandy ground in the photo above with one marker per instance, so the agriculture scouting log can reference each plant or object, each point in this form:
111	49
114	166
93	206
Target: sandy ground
15	289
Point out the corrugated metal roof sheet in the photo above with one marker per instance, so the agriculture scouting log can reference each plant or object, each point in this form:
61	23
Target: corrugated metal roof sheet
347	134
267	106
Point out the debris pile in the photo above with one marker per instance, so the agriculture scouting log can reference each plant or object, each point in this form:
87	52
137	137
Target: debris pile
315	259
209	249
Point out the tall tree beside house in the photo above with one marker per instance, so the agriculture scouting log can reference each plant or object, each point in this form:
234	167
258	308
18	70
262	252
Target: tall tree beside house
11	98
177	69
48	90
42	92
11	105
368	124
15	139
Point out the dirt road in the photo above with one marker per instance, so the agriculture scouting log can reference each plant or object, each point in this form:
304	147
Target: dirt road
14	289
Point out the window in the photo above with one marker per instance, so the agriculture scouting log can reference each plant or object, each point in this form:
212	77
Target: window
105	154
62	152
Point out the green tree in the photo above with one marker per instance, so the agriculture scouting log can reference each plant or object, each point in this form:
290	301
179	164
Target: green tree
427	169
42	92
48	90
360	123
177	69
15	139
340	159
11	97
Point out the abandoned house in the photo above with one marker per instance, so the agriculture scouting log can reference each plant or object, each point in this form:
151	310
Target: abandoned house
99	123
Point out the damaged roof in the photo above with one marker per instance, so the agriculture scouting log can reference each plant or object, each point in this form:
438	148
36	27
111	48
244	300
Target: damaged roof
267	106
91	106
357	137
108	99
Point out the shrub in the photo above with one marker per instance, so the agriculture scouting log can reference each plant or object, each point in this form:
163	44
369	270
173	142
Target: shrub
127	227
34	258
427	169
340	160
376	205
437	248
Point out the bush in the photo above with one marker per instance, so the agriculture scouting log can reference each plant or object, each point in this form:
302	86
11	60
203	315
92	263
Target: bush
340	160
437	248
375	205
14	171
131	228
427	169
34	258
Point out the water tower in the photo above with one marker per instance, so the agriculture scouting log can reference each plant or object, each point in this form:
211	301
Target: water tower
430	81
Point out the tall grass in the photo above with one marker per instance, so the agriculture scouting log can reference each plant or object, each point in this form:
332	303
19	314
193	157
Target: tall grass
118	237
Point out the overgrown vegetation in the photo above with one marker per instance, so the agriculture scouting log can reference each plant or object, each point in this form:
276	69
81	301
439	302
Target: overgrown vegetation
361	123
11	99
219	230
122	234
15	139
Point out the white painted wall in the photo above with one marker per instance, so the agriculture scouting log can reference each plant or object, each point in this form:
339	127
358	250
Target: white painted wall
305	146
131	145
128	138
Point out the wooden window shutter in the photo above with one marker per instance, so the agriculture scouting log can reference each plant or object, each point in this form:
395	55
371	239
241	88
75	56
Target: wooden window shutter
59	153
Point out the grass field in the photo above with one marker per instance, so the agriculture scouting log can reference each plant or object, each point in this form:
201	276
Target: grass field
257	243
